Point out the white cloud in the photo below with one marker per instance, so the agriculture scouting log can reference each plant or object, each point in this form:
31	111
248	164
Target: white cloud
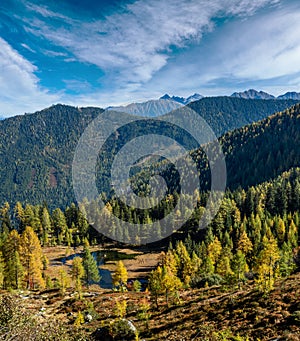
262	51
19	87
268	48
135	44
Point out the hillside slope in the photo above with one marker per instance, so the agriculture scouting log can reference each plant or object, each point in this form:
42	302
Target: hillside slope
36	150
224	114
36	153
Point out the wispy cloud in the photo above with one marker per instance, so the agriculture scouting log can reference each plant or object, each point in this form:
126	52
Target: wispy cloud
149	47
19	87
268	48
262	51
132	45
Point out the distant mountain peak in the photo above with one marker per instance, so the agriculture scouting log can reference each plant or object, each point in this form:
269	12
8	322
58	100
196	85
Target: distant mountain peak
165	96
290	95
150	108
183	100
253	94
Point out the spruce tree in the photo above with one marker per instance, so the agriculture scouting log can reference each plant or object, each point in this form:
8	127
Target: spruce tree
239	267
90	267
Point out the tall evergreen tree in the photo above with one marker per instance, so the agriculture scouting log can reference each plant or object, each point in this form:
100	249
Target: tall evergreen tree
90	267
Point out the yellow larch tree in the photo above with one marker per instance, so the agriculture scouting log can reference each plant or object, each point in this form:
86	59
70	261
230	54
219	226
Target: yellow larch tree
31	256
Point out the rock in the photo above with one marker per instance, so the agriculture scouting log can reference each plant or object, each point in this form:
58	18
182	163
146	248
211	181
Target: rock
88	318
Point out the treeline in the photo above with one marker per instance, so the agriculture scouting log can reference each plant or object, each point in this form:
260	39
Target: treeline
69	227
23	233
255	235
23	264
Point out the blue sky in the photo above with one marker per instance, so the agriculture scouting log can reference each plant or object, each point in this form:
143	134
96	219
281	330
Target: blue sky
114	52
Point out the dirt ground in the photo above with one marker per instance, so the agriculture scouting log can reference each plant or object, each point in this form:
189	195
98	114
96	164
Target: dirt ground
138	267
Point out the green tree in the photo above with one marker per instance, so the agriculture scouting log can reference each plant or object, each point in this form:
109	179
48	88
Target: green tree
13	271
286	263
239	267
185	266
59	225
46	226
223	267
20	216
155	284
77	274
1	271
5	218
63	281
90	267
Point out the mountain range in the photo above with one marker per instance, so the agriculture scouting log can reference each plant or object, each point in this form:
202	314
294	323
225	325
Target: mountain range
254	94
37	150
150	108
167	103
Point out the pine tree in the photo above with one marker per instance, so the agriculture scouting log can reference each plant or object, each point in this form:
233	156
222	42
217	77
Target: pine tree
163	281
286	263
239	267
207	267
31	216
77	274
185	266
59	225
46	226
223	267
171	260
20	216
90	267
292	235
31	257
120	276
280	231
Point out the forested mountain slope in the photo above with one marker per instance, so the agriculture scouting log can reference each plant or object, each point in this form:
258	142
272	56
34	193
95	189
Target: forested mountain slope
36	150
263	150
224	114
36	153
